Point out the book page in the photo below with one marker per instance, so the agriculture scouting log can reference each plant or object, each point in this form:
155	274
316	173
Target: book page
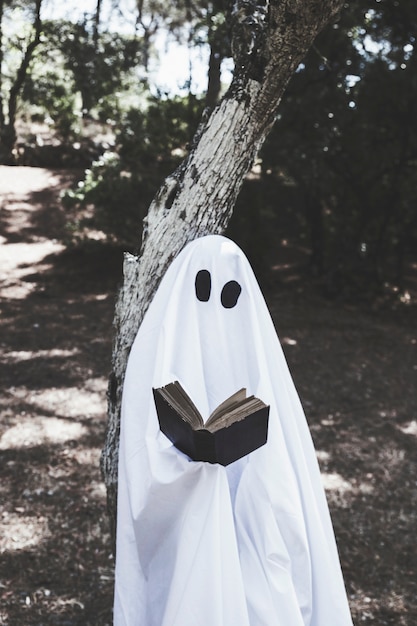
179	399
236	414
235	399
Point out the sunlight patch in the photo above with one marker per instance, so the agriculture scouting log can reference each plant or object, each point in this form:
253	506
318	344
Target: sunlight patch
25	355
410	428
86	402
36	431
24	256
335	482
18	260
84	456
17	291
20	531
323	456
97	490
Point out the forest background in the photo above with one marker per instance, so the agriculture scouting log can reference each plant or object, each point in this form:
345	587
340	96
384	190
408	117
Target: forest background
338	169
327	217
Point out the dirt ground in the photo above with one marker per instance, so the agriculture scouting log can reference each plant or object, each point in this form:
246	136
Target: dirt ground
355	368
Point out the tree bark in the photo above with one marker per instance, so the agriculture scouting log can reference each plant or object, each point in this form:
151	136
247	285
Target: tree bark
1	64
269	41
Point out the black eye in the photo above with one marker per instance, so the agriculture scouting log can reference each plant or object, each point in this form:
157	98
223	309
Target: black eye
230	294
203	285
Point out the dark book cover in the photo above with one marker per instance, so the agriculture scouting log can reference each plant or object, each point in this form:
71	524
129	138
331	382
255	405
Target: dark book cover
223	446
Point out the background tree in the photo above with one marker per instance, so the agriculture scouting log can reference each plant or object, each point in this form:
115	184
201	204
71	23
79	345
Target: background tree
27	46
269	41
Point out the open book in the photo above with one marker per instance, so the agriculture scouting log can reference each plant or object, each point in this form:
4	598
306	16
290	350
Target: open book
238	426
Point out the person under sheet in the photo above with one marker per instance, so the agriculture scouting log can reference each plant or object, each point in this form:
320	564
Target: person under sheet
199	544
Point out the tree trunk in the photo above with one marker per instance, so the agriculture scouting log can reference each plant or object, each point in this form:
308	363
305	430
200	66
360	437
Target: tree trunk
96	26
214	78
1	65
8	130
269	41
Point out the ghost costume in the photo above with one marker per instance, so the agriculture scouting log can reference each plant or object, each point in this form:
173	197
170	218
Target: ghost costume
199	544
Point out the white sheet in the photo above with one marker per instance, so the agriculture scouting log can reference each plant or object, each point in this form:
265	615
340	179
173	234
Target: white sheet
203	545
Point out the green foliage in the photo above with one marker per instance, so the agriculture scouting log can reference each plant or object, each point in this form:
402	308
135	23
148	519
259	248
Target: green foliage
75	75
120	186
99	67
50	91
113	194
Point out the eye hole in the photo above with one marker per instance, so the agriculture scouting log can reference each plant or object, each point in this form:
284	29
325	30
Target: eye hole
230	294
203	285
